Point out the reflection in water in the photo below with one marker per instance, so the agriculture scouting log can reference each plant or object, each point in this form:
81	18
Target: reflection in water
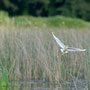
41	85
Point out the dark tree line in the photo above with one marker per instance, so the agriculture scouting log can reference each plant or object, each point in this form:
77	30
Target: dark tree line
72	8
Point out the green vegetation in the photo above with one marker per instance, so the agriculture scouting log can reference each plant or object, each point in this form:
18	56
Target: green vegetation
71	8
4	81
57	21
28	50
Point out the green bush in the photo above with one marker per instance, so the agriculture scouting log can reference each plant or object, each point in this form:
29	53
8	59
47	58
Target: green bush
70	8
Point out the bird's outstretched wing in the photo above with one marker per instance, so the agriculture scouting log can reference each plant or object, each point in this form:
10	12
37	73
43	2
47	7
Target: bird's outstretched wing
75	49
58	41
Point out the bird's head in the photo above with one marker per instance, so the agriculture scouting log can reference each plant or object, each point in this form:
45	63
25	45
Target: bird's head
66	46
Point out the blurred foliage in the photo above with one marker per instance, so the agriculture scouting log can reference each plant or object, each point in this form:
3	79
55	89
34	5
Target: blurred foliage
42	22
4	81
71	8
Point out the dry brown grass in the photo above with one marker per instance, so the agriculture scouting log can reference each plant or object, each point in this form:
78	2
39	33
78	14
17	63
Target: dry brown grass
32	53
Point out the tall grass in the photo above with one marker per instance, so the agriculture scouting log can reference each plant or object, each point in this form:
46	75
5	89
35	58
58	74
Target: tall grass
30	53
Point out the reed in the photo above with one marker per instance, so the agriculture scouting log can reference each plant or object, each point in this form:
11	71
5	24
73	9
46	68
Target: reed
33	54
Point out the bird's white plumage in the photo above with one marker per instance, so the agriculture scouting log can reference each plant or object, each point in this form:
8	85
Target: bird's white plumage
58	41
64	48
75	50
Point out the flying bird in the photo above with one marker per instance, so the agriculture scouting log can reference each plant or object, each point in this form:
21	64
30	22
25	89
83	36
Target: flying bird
64	48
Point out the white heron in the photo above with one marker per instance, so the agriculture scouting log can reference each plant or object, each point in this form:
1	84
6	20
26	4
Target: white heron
64	48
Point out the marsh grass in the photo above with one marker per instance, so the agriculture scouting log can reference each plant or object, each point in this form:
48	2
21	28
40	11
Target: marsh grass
33	54
28	50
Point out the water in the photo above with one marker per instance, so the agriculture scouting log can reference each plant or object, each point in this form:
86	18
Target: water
42	85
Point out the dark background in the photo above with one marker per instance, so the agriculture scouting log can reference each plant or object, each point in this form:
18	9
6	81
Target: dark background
46	8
